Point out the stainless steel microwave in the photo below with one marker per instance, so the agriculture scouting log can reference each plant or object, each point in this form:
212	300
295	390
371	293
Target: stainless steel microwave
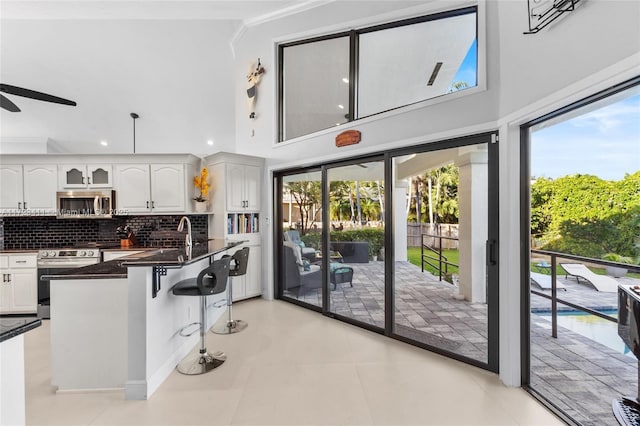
85	204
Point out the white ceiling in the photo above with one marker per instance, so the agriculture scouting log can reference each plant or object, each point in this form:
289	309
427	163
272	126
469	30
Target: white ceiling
171	62
242	10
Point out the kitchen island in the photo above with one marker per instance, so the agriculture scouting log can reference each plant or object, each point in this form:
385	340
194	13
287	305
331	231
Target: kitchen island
12	398
116	324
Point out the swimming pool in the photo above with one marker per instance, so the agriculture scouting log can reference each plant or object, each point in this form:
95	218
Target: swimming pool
592	327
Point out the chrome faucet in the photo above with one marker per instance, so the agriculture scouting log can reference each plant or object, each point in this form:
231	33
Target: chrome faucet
187	238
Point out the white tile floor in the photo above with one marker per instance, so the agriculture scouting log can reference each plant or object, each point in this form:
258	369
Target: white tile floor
295	367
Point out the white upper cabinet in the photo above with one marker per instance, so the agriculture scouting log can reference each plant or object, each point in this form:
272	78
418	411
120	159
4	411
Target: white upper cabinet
167	188
243	182
133	191
28	188
86	176
11	195
40	187
148	188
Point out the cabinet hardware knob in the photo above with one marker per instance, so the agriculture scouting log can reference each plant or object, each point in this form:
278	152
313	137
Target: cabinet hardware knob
89	180
83	180
19	205
153	204
147	204
25	205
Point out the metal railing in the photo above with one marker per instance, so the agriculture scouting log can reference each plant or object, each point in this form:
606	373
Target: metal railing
554	288
437	255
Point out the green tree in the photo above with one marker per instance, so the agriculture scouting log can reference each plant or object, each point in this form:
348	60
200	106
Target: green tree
586	215
308	196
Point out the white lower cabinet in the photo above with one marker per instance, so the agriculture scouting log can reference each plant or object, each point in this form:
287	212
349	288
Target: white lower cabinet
19	286
248	285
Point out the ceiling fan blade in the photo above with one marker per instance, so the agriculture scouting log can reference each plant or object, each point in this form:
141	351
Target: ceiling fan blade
8	105
26	93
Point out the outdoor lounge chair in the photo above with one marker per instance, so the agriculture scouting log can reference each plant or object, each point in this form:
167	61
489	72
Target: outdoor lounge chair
600	282
544	281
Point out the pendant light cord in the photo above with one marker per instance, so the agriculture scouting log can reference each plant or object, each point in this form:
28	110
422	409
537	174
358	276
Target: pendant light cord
134	116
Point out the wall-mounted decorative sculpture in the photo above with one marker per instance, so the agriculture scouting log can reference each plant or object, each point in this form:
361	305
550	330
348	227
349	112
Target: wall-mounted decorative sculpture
348	137
253	79
544	12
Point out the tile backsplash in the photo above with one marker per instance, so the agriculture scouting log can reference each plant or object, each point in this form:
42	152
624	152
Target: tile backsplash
49	232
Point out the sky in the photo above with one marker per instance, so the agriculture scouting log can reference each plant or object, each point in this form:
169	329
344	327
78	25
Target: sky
467	71
604	142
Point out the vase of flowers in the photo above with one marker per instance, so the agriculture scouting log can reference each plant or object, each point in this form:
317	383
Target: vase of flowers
201	184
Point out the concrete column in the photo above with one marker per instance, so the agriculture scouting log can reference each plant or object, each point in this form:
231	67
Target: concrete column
472	202
400	219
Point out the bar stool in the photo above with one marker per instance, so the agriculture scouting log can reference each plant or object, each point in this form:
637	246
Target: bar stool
211	280
238	268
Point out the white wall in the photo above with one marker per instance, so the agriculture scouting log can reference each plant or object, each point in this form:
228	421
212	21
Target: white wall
596	35
588	50
177	75
454	113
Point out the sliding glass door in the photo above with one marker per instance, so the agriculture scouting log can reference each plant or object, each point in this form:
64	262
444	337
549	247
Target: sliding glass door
442	237
300	222
403	243
356	242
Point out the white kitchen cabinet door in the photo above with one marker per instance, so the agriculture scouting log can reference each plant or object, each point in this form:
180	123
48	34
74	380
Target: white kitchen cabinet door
253	282
40	186
249	284
252	176
167	188
235	187
100	175
6	291
11	197
86	176
25	290
133	192
73	176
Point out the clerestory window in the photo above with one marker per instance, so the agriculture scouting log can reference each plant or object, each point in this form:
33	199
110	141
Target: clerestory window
334	79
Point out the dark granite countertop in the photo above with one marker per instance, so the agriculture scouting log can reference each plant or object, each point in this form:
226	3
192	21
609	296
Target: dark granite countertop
174	257
14	326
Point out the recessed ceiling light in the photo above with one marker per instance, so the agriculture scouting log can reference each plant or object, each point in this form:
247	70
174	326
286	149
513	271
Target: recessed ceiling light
345	80
210	142
340	106
104	143
337	124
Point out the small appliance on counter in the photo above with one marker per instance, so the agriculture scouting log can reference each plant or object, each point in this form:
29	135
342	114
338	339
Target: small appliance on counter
127	236
627	409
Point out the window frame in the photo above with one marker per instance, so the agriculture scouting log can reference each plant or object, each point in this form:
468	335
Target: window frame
353	35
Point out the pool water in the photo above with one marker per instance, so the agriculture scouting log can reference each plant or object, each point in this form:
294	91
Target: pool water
597	329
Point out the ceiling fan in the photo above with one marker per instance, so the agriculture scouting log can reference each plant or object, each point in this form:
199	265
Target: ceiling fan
5	103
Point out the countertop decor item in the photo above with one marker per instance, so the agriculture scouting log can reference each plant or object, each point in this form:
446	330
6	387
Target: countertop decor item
200	182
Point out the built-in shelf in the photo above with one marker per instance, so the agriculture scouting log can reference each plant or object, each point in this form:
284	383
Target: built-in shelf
243	223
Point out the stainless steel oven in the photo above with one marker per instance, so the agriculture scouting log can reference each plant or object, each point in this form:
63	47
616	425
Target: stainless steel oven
52	261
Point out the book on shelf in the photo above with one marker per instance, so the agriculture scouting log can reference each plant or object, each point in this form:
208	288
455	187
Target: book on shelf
243	223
